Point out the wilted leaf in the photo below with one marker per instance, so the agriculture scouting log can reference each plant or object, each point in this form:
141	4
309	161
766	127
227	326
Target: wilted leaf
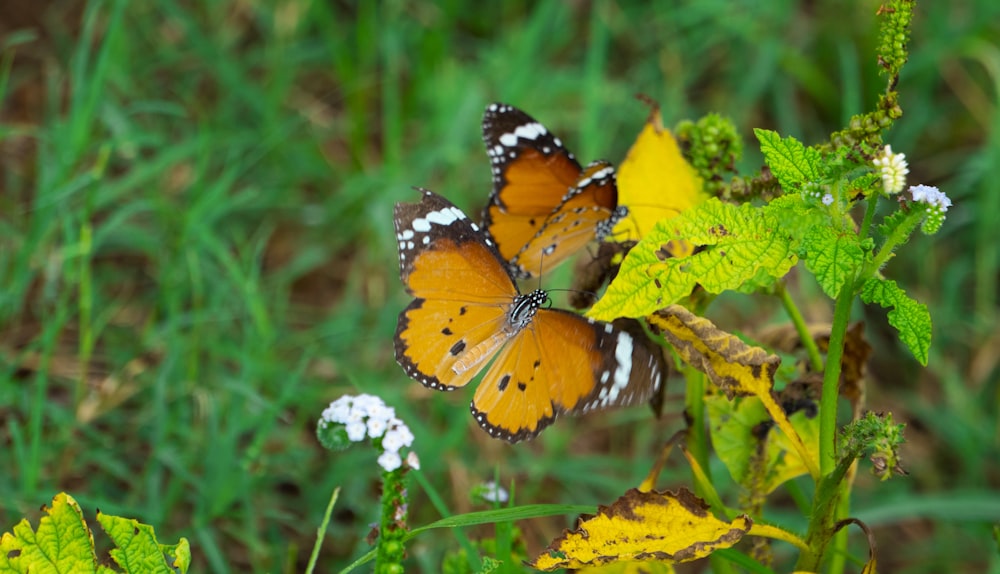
62	543
758	459
733	366
641	526
655	181
630	567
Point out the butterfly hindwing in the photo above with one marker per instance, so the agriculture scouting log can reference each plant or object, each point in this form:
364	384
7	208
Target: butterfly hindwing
586	212
565	363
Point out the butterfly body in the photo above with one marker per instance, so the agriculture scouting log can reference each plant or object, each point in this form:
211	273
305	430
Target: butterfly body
468	316
544	206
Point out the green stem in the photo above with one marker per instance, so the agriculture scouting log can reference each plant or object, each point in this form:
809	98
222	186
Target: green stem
392	528
831	380
828	490
825	505
838	551
866	223
321	531
898	236
697	438
815	359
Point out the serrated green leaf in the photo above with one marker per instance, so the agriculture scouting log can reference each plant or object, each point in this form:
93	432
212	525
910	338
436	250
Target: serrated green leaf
797	216
137	549
62	543
790	161
909	317
900	222
733	245
832	256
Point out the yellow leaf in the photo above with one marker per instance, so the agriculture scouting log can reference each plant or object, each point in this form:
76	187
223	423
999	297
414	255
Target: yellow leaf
733	366
630	567
643	526
654	181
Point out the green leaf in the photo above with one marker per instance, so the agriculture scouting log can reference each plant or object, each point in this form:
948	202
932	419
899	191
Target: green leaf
137	549
759	462
832	256
790	161
733	245
62	543
901	222
911	318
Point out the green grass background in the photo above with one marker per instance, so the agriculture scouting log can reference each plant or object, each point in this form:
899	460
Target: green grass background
197	254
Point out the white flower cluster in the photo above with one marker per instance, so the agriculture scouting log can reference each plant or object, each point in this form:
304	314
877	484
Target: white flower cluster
937	204
367	416
893	169
932	196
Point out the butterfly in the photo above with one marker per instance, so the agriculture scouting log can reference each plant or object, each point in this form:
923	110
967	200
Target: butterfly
543	204
468	316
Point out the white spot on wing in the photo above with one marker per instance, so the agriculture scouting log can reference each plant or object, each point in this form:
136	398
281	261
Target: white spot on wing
623	354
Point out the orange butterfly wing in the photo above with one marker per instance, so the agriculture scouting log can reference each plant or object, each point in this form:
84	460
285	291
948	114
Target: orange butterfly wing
543	204
461	287
564	363
588	211
532	171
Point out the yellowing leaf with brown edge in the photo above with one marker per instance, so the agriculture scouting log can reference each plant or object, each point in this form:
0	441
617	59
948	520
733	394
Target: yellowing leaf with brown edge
644	526
733	366
630	568
654	181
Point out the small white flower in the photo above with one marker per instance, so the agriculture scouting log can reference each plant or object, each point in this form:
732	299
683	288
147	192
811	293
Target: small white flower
931	196
376	427
382	413
337	412
390	460
492	492
356	431
399	428
893	169
412	460
828	199
365	403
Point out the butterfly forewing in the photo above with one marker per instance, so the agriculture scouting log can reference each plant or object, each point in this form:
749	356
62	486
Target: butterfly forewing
586	212
532	171
460	287
544	207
